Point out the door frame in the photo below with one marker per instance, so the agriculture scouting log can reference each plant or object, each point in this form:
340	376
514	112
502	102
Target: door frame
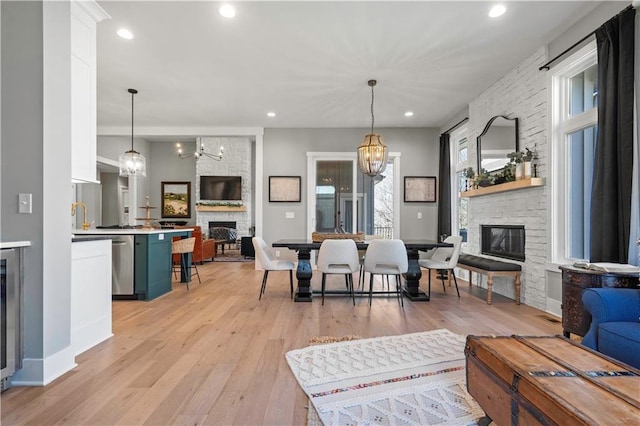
313	157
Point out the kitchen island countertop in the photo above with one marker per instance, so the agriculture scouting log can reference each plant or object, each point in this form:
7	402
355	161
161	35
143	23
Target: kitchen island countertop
118	231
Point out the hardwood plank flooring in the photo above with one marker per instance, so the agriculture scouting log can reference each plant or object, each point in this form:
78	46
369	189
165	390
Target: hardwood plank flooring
214	354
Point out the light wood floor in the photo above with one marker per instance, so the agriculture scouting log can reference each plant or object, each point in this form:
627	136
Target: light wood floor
215	354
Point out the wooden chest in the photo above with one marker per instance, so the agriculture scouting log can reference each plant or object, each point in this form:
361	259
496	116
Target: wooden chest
550	381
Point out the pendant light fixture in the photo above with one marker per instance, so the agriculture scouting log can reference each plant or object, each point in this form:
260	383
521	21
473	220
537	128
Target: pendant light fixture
372	154
132	163
198	153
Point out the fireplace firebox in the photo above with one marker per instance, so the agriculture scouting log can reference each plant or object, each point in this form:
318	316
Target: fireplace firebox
506	241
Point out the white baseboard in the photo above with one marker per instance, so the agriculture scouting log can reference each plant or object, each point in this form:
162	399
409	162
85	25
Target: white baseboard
554	307
41	372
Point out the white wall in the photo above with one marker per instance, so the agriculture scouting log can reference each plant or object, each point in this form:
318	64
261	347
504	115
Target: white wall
520	93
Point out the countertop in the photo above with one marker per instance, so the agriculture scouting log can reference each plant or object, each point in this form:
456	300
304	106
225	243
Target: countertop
116	231
14	244
84	238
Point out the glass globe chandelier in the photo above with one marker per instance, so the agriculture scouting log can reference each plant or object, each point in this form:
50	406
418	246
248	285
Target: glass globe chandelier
132	163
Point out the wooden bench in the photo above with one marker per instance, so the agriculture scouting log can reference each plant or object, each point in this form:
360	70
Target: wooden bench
491	268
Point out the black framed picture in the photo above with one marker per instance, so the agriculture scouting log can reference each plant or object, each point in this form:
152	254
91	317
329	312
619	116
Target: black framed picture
419	189
285	189
176	199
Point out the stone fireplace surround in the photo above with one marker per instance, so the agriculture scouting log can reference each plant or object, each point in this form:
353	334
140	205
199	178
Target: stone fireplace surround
237	161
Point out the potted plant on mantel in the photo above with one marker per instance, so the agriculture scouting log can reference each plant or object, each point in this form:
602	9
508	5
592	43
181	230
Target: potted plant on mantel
522	161
484	178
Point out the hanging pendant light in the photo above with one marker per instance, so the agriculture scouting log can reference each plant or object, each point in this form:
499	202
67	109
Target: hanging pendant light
372	154
132	163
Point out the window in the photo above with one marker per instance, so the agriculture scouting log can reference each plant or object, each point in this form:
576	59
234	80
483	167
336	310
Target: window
459	148
573	140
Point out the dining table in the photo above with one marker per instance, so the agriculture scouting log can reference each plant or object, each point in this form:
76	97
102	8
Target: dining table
304	271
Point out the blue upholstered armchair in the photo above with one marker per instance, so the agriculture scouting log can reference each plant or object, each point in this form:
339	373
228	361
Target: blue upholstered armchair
615	323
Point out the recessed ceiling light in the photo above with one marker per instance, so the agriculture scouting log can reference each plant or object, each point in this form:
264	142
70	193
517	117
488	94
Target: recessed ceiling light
408	114
271	114
497	10
125	33
227	11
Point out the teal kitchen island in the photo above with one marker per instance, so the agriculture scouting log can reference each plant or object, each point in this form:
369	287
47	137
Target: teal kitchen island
141	261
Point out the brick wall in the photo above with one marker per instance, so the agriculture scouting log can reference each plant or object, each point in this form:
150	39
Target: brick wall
521	93
237	161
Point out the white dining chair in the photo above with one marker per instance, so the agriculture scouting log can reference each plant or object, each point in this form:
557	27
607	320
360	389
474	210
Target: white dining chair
361	254
386	257
444	258
269	262
338	257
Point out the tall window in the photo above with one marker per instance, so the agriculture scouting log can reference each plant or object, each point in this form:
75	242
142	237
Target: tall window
573	141
459	153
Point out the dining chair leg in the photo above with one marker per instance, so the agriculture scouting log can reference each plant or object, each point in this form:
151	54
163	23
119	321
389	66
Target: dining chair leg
399	290
353	296
455	281
370	288
441	275
429	292
291	282
264	283
346	281
324	281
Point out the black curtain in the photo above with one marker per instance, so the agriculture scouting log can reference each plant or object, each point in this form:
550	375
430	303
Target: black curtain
444	187
612	180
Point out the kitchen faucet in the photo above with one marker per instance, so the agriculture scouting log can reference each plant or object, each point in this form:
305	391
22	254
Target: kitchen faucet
85	225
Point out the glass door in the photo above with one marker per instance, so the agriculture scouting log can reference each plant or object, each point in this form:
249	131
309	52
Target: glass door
341	199
334	194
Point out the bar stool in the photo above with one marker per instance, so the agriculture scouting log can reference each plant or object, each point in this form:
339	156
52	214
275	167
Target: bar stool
184	247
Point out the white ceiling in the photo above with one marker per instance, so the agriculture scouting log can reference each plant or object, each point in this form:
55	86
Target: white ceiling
310	61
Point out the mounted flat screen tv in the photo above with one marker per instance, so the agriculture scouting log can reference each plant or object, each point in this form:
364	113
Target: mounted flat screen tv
220	187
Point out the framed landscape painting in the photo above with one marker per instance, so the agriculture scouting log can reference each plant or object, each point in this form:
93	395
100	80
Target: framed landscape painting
285	189
176	199
420	189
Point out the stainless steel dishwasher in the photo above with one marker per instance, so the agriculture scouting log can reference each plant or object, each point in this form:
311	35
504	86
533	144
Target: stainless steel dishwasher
122	284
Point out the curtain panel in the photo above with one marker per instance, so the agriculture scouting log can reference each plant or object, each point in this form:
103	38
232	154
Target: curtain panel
444	187
613	169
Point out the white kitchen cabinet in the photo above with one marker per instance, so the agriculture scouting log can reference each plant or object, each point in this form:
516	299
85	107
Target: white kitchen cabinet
85	16
90	294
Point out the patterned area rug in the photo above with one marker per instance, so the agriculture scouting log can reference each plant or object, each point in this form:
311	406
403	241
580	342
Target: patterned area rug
413	379
231	256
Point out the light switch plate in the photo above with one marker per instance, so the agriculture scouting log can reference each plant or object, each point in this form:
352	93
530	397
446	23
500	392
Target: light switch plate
419	215
24	203
289	215
160	237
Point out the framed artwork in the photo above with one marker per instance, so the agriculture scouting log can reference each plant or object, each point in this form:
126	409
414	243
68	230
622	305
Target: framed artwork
285	189
419	189
176	199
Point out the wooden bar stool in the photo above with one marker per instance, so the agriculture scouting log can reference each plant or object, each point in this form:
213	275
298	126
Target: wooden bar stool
184	247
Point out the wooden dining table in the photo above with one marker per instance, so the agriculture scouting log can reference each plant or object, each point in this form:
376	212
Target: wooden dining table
304	272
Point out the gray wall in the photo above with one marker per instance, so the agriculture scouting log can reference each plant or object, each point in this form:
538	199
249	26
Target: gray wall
22	154
591	21
285	154
111	147
165	166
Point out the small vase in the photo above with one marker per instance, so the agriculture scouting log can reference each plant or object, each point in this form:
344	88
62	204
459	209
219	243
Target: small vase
519	171
526	169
